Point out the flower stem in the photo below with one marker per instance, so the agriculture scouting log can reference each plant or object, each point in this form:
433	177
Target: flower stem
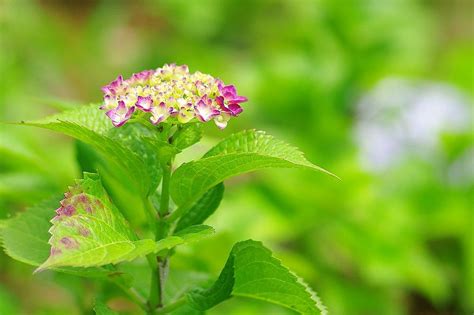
159	265
165	190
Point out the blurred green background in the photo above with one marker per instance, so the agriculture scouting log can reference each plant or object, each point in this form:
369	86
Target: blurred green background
378	92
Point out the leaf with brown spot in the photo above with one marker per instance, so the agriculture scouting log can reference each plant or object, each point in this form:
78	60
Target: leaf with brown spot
88	230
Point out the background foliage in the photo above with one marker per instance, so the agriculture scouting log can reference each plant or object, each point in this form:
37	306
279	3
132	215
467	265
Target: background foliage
378	92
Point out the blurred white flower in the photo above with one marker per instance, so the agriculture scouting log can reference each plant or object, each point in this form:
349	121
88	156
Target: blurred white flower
402	118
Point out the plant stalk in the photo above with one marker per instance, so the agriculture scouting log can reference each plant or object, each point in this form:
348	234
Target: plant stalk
154	297
158	264
151	213
172	306
165	190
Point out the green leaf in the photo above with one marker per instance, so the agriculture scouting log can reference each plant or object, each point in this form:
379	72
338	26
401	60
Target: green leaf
130	148
187	135
242	152
101	308
183	280
89	230
88	116
147	145
194	233
125	195
186	236
252	272
203	208
25	238
86	157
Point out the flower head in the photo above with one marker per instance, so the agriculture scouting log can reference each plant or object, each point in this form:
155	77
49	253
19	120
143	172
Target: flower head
173	93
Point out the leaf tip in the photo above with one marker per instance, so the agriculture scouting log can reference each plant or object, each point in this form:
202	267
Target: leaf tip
42	267
335	176
327	172
38	270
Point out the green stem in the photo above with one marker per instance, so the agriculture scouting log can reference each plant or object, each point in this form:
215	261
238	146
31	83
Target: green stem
158	265
165	190
155	294
172	306
176	214
151	213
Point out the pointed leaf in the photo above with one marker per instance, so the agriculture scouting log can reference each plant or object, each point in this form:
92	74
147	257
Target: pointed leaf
194	233
203	208
89	230
25	238
133	148
186	236
240	153
87	116
252	272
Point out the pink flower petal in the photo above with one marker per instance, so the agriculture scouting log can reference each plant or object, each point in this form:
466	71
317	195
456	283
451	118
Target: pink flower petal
144	103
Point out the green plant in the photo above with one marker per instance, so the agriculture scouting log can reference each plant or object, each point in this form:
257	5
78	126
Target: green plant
132	203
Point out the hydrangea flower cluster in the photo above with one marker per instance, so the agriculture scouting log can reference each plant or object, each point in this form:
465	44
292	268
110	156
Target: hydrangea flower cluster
171	92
